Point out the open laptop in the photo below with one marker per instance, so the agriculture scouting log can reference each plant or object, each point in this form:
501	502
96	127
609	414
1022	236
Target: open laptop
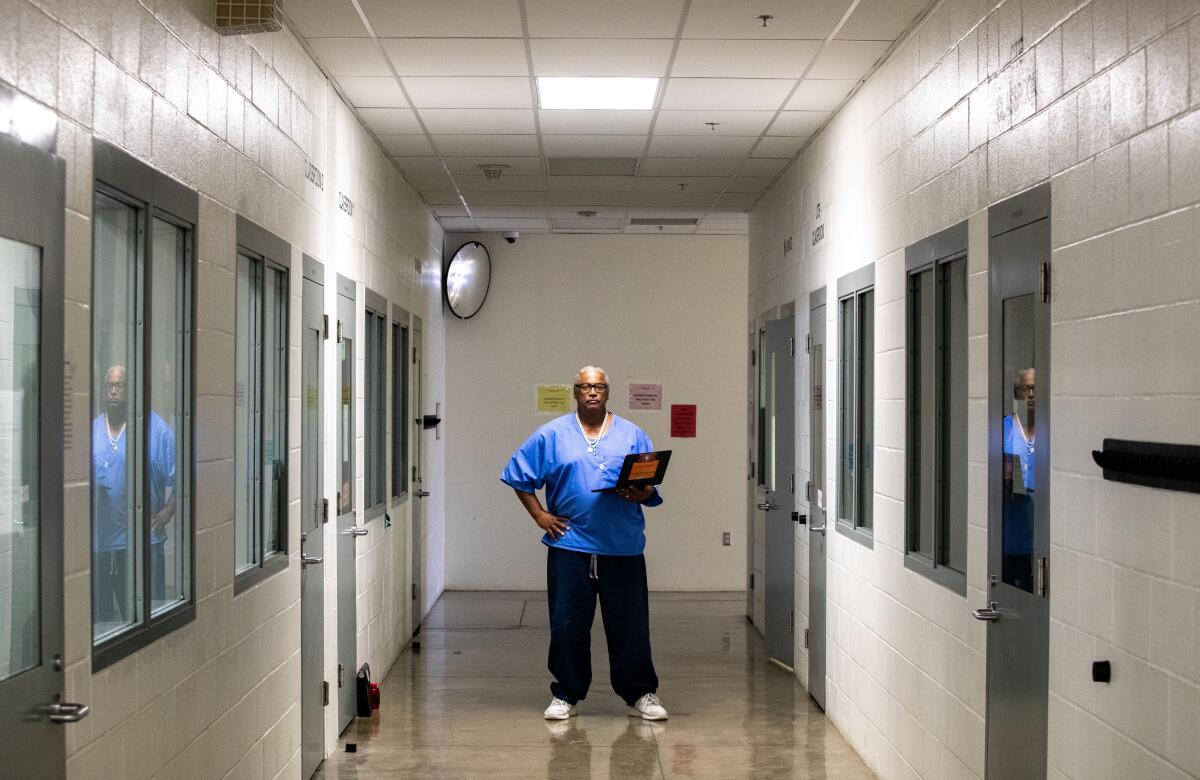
639	470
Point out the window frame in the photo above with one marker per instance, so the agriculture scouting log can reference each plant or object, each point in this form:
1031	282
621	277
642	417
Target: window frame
375	405
400	405
270	252
122	177
853	288
936	253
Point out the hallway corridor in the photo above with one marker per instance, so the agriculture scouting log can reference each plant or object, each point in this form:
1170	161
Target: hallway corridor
470	703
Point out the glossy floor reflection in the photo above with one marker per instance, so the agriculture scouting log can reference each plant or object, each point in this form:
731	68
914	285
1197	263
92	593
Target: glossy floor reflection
470	703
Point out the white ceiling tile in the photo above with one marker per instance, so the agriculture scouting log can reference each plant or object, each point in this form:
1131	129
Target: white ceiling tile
405	145
673	198
497	212
728	94
349	57
749	184
485	145
506	199
602	212
457	224
744	59
600	57
798	122
689	166
730	122
712	184
372	92
679	212
738	201
468	92
593	145
324	18
390	120
609	19
736	18
449	211
441	198
847	59
432	182
701	145
757	166
780	146
582	200
517	166
881	20
513	223
587	224
470	184
820	94
570	122
656	229
729	224
591	183
446	19
504	121
457	56
419	166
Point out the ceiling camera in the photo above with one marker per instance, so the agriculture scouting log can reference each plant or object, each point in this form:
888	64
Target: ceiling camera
511	236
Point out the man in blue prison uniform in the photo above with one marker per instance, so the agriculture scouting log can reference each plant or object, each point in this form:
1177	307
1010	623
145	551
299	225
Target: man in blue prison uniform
111	580
595	543
1019	474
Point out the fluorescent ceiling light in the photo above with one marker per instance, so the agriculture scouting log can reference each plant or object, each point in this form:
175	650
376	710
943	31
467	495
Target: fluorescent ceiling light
612	93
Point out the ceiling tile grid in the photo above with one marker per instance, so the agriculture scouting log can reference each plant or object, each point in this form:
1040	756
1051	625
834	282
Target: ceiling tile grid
450	92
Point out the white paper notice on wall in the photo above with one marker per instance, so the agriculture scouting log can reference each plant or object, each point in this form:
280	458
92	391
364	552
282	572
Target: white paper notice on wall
644	395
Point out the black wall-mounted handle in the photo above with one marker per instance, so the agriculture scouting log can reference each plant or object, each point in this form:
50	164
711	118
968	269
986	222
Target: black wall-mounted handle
1152	464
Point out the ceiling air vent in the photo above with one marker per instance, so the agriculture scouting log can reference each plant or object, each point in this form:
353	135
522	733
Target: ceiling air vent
250	16
664	221
593	166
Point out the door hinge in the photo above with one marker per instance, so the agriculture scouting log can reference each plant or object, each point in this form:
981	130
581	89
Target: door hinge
325	327
753	358
808	490
414	356
791	345
324	693
414	591
751	581
806	639
414	473
1041	576
341	675
1044	283
339	331
792	622
324	510
792	484
808	344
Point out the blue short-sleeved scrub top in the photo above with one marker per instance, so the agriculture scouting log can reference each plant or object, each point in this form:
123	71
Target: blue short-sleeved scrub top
556	457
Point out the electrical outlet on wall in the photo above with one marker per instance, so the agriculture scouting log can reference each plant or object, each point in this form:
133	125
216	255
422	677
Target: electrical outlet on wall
726	539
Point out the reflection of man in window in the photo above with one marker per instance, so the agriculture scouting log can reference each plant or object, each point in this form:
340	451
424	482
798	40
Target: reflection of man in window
111	510
1019	473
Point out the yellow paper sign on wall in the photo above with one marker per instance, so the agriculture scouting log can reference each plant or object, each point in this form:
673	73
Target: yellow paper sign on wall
553	399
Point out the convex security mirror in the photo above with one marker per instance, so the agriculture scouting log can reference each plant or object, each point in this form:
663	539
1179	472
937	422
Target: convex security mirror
468	276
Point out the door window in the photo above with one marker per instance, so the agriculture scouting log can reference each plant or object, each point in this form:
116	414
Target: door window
1019	515
20	487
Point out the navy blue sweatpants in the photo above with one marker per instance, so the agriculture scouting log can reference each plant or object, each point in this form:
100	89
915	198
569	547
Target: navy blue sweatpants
573	585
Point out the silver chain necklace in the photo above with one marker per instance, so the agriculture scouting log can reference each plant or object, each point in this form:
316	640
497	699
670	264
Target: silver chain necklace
591	443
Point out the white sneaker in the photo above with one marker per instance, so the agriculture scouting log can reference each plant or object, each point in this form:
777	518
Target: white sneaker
558	710
648	708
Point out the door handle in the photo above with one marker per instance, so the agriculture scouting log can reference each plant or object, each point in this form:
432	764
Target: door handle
767	506
422	494
820	528
306	560
358	532
65	711
990	612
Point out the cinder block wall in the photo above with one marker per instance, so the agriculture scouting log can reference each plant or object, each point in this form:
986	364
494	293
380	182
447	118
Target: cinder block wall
981	101
235	118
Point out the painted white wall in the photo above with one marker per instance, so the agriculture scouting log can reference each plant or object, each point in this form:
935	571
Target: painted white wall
235	118
648	308
980	102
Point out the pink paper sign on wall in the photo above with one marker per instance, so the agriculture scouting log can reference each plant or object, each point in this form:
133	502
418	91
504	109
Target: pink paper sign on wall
645	396
683	421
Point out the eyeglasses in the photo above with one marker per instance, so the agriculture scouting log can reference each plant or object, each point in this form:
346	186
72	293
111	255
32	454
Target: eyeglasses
114	385
587	387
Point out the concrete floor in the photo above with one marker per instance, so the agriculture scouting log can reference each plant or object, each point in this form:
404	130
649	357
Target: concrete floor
470	703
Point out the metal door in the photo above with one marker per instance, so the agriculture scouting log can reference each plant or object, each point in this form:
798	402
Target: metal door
816	501
313	511
347	527
780	554
1018	611
32	709
418	467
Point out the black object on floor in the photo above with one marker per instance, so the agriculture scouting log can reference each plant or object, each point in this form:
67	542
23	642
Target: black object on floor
351	747
362	690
